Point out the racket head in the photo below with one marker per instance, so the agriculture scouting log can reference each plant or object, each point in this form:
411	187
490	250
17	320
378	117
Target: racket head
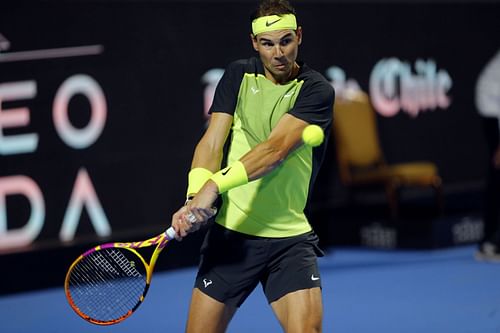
106	284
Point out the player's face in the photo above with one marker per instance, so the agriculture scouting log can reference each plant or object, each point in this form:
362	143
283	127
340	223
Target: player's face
278	51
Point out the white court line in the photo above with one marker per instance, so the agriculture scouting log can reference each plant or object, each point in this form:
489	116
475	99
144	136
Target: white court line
64	52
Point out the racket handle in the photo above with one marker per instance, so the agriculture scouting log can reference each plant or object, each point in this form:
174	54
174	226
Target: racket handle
170	233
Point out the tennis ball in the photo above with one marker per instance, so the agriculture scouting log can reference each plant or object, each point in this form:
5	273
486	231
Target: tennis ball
313	135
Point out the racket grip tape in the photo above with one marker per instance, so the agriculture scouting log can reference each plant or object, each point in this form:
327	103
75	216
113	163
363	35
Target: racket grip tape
170	233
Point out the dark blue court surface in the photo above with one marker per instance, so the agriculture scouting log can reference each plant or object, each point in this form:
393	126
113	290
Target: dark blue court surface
364	291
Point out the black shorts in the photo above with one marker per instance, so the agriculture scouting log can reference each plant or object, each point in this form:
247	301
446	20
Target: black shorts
232	264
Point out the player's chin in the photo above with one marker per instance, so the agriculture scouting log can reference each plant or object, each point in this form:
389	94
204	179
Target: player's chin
281	74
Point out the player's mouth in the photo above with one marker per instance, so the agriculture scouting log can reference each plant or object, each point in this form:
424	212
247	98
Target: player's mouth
280	67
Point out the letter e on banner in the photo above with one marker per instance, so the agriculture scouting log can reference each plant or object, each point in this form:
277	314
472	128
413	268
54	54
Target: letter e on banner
20	143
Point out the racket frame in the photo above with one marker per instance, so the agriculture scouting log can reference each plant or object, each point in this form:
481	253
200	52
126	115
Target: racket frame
160	241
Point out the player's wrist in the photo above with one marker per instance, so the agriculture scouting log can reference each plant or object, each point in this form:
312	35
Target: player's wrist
232	176
197	177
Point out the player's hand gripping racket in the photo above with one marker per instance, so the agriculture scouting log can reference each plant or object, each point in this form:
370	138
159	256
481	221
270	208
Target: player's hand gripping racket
106	284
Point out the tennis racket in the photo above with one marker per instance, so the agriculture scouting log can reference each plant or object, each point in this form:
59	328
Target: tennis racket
106	284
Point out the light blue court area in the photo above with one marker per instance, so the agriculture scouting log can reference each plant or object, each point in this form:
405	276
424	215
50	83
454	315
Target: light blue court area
365	290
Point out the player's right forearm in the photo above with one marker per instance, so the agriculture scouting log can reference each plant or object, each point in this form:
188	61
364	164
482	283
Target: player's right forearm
209	151
207	156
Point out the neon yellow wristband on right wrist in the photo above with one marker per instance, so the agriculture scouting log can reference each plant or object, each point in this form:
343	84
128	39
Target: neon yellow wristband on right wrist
230	177
196	179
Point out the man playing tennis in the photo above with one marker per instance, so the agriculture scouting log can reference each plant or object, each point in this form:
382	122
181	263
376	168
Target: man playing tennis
261	233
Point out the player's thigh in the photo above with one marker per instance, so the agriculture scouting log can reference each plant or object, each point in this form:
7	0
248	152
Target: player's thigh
207	315
293	266
300	311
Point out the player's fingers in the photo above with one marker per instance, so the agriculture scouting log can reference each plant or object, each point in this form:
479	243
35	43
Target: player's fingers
195	227
184	228
192	217
205	213
176	223
178	238
180	224
196	215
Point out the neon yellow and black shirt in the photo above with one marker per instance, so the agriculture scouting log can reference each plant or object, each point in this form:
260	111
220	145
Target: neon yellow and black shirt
271	206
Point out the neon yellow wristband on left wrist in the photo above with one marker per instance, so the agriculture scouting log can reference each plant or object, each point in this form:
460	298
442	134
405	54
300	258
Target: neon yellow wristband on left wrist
232	176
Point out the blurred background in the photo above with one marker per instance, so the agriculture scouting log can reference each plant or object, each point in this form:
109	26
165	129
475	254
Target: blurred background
103	101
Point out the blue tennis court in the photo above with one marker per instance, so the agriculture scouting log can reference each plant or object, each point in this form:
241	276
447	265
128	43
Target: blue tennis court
365	290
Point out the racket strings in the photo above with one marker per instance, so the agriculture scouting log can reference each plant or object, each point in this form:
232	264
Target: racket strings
107	284
128	267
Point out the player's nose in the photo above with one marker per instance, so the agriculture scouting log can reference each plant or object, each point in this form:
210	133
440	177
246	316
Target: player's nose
278	52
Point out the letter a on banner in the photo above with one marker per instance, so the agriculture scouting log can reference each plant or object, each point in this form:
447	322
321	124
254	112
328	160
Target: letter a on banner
84	194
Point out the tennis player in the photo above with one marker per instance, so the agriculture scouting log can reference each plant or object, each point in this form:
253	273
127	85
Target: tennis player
261	233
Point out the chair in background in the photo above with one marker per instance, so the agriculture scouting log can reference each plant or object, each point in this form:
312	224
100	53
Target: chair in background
360	158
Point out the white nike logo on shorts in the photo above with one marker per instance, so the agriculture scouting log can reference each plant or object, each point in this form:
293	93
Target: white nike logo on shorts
314	278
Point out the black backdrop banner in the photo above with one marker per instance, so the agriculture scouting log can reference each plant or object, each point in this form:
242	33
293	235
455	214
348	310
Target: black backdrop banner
102	103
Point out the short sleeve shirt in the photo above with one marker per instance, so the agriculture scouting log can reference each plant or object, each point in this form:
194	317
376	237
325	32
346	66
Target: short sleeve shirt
273	205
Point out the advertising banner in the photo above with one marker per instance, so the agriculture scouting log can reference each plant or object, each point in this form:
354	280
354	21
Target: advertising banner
102	103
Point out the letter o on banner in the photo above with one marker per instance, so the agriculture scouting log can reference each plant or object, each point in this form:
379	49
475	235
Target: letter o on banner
87	86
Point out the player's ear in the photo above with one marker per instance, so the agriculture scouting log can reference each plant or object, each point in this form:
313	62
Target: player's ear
298	32
254	42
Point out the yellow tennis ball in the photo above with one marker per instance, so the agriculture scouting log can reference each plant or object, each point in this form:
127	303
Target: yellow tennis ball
313	135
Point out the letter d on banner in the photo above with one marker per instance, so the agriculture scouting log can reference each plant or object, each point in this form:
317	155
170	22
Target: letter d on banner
27	187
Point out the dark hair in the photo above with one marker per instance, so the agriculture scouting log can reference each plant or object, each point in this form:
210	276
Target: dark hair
272	7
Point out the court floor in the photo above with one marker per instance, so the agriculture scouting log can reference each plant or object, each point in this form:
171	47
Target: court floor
365	290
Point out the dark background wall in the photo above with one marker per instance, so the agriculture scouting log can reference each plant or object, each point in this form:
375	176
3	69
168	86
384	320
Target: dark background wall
148	59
